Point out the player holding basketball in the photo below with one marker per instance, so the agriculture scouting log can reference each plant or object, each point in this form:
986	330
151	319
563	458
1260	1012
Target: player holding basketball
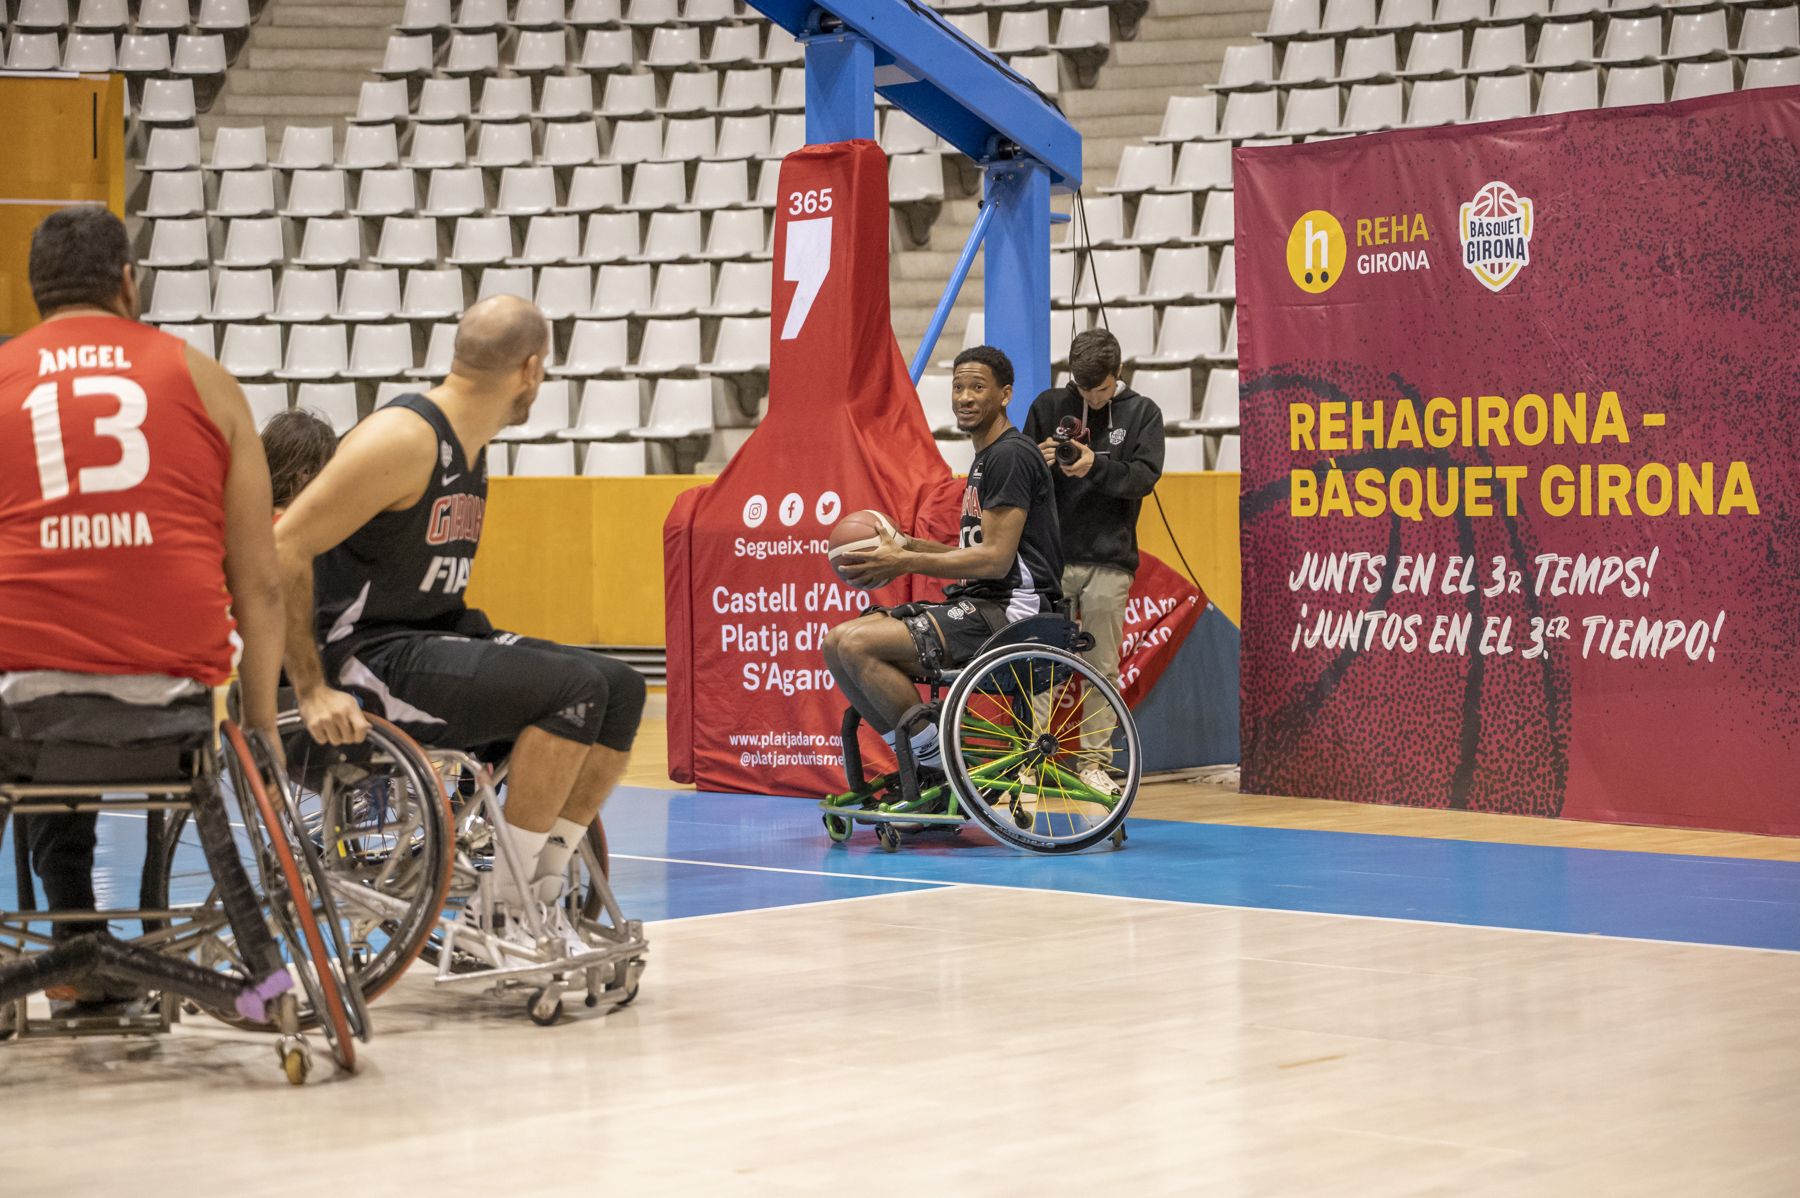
134	510
1006	565
383	540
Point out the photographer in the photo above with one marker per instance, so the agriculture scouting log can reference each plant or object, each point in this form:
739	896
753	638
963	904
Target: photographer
1107	458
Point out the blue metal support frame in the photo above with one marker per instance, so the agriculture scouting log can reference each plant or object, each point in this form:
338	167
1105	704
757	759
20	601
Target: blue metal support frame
1016	283
928	69
840	81
957	275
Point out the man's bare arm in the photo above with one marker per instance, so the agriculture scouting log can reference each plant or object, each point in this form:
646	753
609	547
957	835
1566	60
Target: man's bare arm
383	464
250	571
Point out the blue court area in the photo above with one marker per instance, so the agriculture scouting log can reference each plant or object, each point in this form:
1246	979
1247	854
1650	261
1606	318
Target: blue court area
680	854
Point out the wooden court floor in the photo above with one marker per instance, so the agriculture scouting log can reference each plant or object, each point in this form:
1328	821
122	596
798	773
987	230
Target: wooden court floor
958	1019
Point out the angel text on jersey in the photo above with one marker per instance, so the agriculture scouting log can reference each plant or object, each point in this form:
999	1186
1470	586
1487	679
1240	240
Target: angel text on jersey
456	518
447	574
82	357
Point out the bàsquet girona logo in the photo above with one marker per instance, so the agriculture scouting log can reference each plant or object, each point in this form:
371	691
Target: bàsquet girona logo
1496	229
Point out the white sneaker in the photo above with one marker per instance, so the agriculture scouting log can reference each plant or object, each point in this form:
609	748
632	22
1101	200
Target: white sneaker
559	925
506	939
1095	777
1028	782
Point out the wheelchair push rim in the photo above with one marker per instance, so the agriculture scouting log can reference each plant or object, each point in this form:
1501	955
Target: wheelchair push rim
1015	728
384	841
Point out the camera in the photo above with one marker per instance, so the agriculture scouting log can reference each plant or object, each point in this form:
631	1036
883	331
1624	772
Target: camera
1069	436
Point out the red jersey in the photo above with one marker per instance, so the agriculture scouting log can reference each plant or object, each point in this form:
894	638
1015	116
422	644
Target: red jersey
112	506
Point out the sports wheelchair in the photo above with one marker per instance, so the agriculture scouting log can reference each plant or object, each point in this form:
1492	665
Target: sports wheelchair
1017	734
408	840
267	956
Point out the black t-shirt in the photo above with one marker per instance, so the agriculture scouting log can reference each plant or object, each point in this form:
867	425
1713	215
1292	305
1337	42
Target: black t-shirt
1011	473
406	571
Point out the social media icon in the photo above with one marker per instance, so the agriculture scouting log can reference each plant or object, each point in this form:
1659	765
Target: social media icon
792	507
756	510
829	507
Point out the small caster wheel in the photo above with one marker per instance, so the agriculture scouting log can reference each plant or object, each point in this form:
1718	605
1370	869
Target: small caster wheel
889	837
1023	819
838	827
1118	837
591	1001
296	1059
543	1010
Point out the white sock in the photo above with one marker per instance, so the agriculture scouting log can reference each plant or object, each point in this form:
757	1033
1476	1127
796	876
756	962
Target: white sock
526	845
553	859
927	753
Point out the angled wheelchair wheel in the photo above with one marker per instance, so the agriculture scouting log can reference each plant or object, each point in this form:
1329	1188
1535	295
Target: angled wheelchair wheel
294	900
379	819
1040	748
298	898
267	844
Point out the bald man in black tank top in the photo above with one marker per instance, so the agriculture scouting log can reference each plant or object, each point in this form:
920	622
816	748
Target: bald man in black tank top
376	556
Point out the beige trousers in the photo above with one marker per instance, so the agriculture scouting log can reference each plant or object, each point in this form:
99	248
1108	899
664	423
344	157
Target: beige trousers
1098	596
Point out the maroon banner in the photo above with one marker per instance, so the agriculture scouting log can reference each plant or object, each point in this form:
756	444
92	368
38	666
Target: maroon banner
749	595
1521	413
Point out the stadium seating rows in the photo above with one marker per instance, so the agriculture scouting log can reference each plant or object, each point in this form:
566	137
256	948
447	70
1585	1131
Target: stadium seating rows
616	160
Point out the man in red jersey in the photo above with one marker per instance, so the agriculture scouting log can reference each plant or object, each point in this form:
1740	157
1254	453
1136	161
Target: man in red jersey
134	507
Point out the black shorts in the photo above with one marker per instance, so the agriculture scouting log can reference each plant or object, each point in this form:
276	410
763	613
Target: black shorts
949	634
462	692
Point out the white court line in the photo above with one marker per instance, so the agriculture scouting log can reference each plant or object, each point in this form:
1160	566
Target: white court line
824	902
1133	898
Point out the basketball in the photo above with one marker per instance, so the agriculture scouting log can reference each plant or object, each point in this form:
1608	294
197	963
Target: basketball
858	533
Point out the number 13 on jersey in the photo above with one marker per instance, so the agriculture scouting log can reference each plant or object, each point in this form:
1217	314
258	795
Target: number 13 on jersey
124	426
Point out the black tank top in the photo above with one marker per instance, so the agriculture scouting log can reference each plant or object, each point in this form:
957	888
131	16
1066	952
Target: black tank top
406	571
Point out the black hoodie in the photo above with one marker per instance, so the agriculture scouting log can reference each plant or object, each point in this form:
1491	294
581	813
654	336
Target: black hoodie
1099	513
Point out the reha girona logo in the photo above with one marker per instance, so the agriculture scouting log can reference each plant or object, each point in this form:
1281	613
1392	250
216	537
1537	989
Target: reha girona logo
1316	252
1496	229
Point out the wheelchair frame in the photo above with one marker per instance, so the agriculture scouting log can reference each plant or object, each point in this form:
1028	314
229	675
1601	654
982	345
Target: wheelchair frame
464	809
610	970
160	959
1053	637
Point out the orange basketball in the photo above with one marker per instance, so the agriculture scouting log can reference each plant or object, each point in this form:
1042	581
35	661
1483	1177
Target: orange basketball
858	533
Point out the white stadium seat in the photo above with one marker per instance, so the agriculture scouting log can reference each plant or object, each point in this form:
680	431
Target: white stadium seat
243	295
315	351
596	347
178	296
679	408
335	403
613	459
609	408
306	295
380	351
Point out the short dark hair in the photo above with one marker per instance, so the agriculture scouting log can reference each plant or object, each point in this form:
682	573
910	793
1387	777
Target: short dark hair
1093	358
77	256
297	444
991	358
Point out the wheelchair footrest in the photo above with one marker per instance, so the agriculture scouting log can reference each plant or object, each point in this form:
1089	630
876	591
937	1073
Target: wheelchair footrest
100	955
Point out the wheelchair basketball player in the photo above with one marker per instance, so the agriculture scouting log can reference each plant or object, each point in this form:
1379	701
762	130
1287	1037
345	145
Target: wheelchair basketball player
375	556
1006	567
134	523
